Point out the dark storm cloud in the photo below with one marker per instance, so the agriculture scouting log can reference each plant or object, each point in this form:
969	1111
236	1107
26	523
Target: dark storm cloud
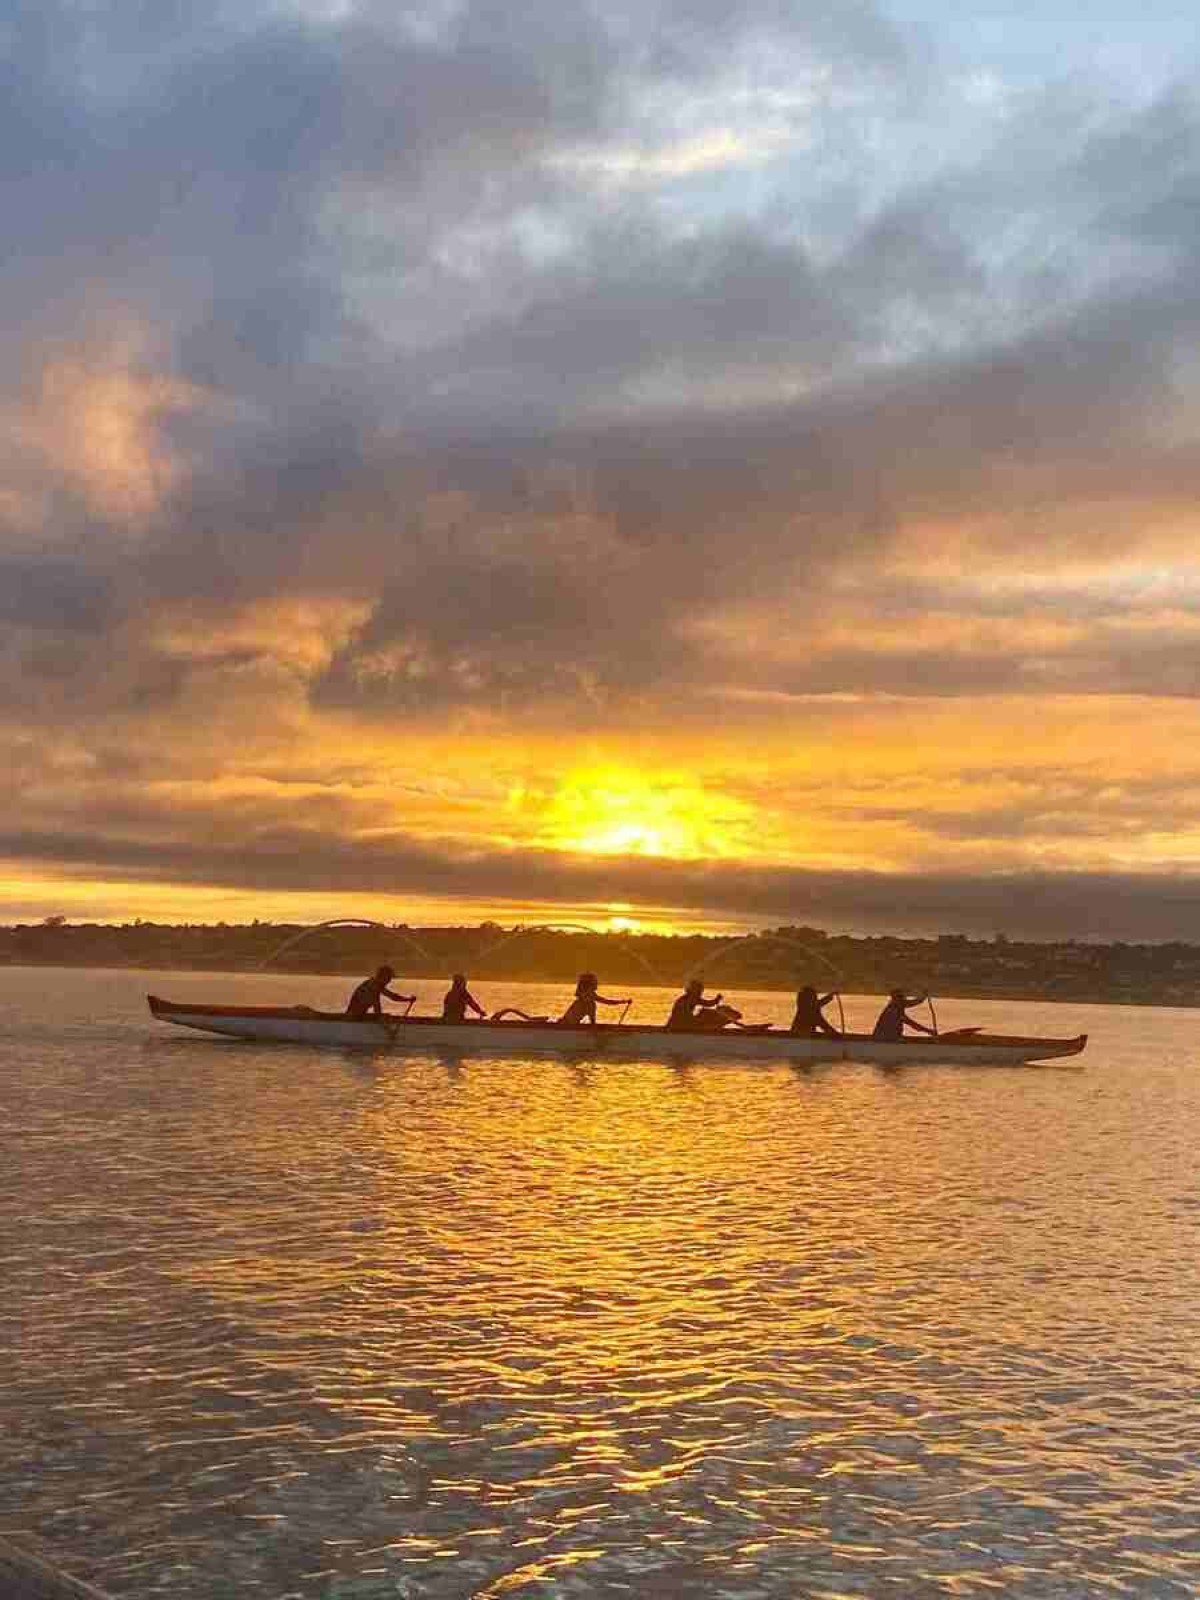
652	304
496	635
187	176
643	412
195	193
53	594
686	515
1064	434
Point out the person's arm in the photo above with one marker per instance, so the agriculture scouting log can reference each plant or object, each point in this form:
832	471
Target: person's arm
605	1002
410	999
475	1006
715	1000
826	998
919	1026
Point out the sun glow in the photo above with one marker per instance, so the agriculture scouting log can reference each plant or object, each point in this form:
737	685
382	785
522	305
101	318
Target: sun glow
619	921
616	811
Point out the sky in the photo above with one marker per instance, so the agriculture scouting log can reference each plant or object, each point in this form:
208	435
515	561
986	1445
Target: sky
684	463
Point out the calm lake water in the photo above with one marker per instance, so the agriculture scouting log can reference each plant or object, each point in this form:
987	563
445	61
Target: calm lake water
290	1323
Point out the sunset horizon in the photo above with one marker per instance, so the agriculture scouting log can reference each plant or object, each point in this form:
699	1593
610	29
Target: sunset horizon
600	867
726	467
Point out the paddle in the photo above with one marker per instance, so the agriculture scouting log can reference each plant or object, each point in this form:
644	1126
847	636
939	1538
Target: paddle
927	999
624	1011
391	1024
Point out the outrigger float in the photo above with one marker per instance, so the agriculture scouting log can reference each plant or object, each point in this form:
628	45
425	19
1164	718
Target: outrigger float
639	1041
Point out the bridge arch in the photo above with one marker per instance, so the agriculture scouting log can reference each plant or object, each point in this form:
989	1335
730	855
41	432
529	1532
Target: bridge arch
525	929
774	939
342	922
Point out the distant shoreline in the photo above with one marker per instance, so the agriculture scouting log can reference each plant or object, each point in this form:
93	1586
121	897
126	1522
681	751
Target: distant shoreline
944	991
772	960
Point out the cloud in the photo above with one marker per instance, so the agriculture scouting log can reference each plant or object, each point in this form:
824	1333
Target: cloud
1024	904
347	391
53	593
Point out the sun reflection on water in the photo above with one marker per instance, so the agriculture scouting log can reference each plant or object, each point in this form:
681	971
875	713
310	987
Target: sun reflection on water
339	1327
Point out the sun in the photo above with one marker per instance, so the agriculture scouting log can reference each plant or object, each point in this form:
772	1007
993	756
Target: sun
610	811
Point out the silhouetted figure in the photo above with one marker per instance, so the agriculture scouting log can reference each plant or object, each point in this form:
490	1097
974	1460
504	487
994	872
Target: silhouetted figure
810	1016
367	1000
459	1000
893	1019
685	1013
583	1008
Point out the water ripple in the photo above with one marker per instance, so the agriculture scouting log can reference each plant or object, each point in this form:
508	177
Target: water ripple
317	1326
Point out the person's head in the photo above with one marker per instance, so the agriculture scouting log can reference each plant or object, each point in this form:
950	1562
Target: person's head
459	981
694	987
898	997
807	993
384	975
588	981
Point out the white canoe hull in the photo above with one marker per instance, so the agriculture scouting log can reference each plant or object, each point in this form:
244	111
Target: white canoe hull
428	1035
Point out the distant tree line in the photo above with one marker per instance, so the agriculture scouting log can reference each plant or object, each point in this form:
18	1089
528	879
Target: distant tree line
775	958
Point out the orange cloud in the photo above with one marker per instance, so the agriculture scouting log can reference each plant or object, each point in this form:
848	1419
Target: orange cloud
90	418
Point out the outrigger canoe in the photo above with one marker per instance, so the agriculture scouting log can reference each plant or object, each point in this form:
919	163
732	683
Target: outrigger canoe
422	1035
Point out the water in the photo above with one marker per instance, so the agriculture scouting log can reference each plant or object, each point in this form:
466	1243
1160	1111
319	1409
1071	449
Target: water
288	1323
